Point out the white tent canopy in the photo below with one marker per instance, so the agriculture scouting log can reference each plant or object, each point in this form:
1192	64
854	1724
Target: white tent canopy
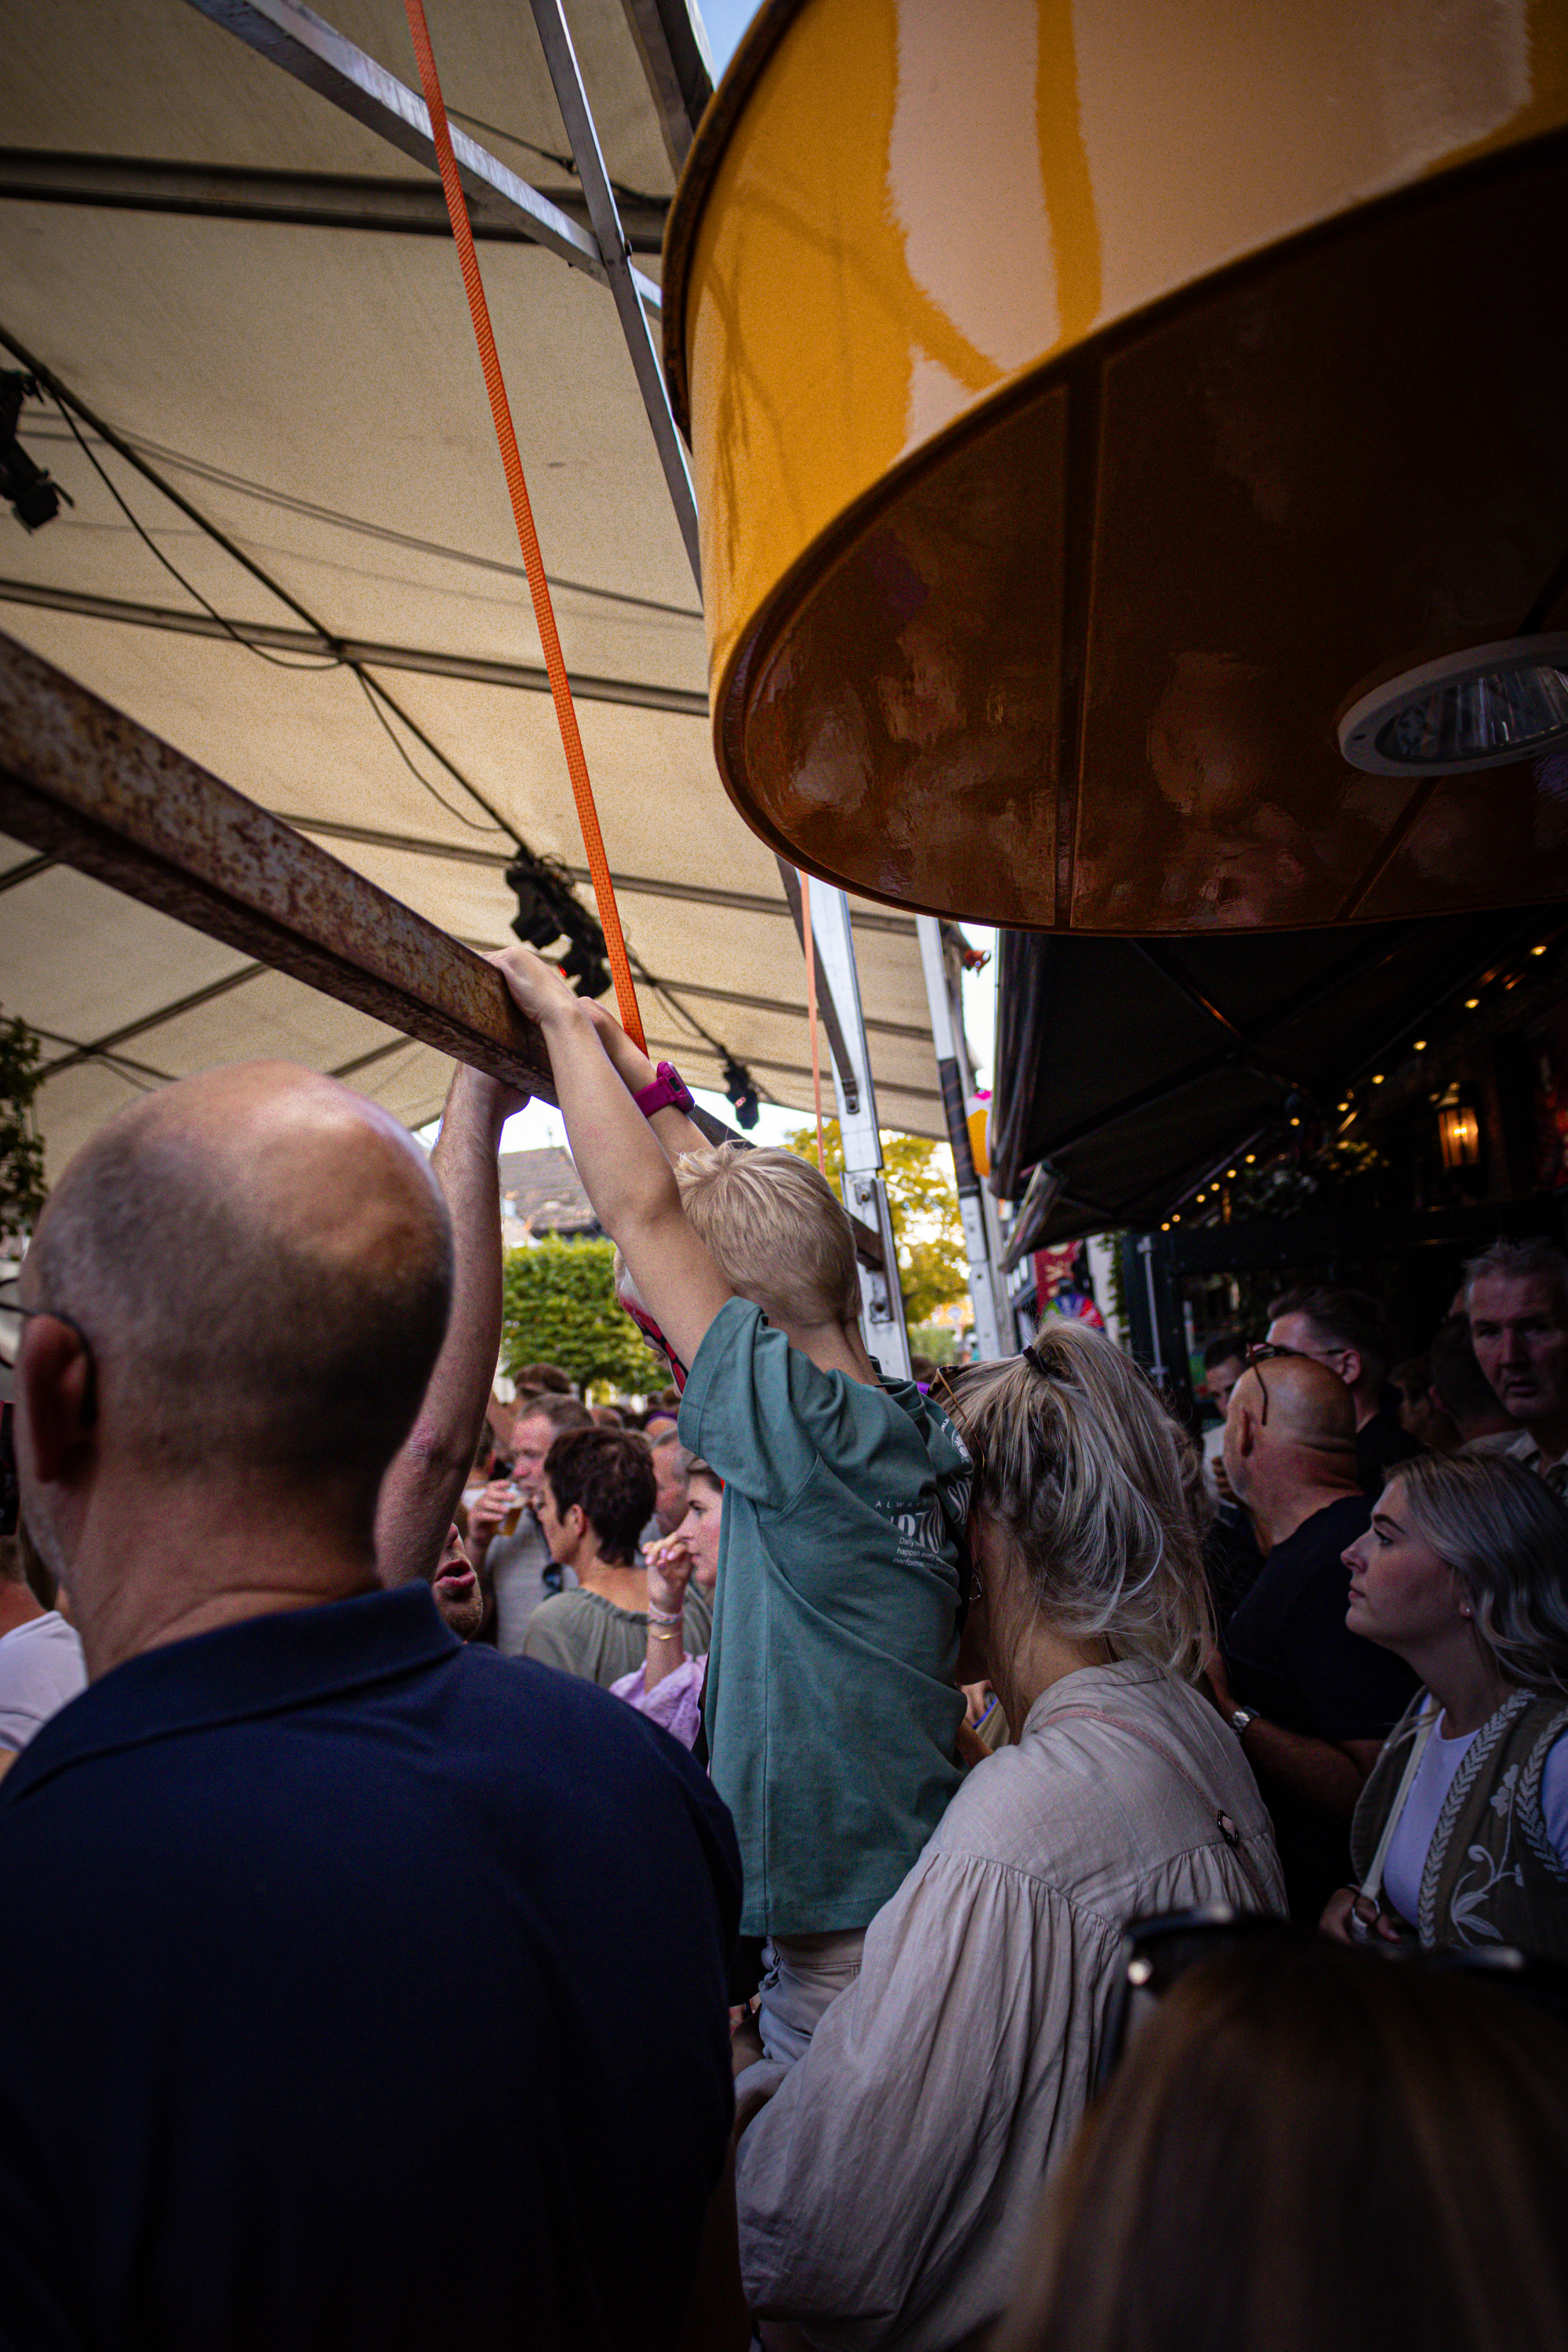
313	391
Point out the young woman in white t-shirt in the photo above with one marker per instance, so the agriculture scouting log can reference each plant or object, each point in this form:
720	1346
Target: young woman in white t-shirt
1461	1835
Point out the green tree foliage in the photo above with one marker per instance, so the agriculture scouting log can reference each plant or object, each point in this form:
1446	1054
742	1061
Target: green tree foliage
559	1307
923	1205
21	1152
937	1340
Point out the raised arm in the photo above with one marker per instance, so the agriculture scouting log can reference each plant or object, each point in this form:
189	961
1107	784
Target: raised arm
622	1164
420	1492
631	1065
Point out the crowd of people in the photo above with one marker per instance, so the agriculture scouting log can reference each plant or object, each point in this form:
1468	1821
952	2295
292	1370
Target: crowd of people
475	1884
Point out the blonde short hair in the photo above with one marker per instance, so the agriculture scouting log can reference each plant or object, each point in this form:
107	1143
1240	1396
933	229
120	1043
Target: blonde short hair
1097	1490
776	1230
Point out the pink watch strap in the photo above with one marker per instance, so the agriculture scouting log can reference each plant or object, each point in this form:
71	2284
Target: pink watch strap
668	1091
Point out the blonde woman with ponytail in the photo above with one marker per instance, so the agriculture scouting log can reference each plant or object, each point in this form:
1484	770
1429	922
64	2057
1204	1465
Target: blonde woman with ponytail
885	2188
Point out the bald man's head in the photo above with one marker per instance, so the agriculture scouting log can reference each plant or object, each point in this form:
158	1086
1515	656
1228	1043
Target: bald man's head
261	1262
1308	1404
1288	1410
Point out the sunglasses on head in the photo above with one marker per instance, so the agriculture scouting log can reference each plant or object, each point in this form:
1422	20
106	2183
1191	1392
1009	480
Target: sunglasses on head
1158	1951
1259	1352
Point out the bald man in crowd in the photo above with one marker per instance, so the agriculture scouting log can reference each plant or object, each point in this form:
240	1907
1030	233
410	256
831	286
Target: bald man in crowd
1309	1701
318	1923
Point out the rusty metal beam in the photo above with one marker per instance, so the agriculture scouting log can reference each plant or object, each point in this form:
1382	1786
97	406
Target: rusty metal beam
84	783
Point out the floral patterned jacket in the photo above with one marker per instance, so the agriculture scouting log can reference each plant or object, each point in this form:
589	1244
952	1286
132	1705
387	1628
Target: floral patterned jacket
1491	1875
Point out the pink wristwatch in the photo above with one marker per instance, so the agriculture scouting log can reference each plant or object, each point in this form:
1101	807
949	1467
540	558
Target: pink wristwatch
669	1091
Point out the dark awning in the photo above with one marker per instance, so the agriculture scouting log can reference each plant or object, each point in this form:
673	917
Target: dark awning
1137	1068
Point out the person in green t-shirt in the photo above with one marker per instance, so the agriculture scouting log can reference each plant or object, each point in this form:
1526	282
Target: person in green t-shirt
832	1711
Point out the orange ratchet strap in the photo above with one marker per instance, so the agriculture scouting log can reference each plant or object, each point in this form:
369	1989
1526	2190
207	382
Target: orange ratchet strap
528	538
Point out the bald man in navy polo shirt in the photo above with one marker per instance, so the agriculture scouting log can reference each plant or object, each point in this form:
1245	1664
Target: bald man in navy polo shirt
362	1991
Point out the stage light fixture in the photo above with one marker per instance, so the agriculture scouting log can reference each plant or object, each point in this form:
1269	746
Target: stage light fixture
537	921
741	1090
548	908
34	497
586	966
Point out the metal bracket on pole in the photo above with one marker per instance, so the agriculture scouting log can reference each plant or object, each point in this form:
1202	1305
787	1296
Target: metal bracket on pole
625	284
992	1315
314	52
865	1193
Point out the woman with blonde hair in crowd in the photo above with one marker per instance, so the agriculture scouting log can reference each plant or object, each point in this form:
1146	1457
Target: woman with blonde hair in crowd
1307	2148
885	2188
1461	1834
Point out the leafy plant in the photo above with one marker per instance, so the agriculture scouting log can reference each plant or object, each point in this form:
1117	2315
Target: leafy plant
923	1203
22	1190
935	1341
559	1307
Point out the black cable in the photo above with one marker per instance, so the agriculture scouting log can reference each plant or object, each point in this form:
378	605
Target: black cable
336	518
335	661
370	691
373	694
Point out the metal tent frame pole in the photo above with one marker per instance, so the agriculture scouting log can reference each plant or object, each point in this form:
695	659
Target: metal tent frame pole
863	1188
624	281
993	1317
306	46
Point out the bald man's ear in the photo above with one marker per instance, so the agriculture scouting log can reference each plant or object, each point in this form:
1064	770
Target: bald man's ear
55	1388
1246	1428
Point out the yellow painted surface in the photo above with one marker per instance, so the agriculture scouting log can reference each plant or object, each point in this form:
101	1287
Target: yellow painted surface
922	201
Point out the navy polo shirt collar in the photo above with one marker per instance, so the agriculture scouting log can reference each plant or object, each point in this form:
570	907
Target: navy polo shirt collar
263	1666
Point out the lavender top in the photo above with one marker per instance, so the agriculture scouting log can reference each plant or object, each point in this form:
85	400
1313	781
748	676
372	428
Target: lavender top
676	1702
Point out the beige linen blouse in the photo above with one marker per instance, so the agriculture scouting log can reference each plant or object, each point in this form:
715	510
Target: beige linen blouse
885	2188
